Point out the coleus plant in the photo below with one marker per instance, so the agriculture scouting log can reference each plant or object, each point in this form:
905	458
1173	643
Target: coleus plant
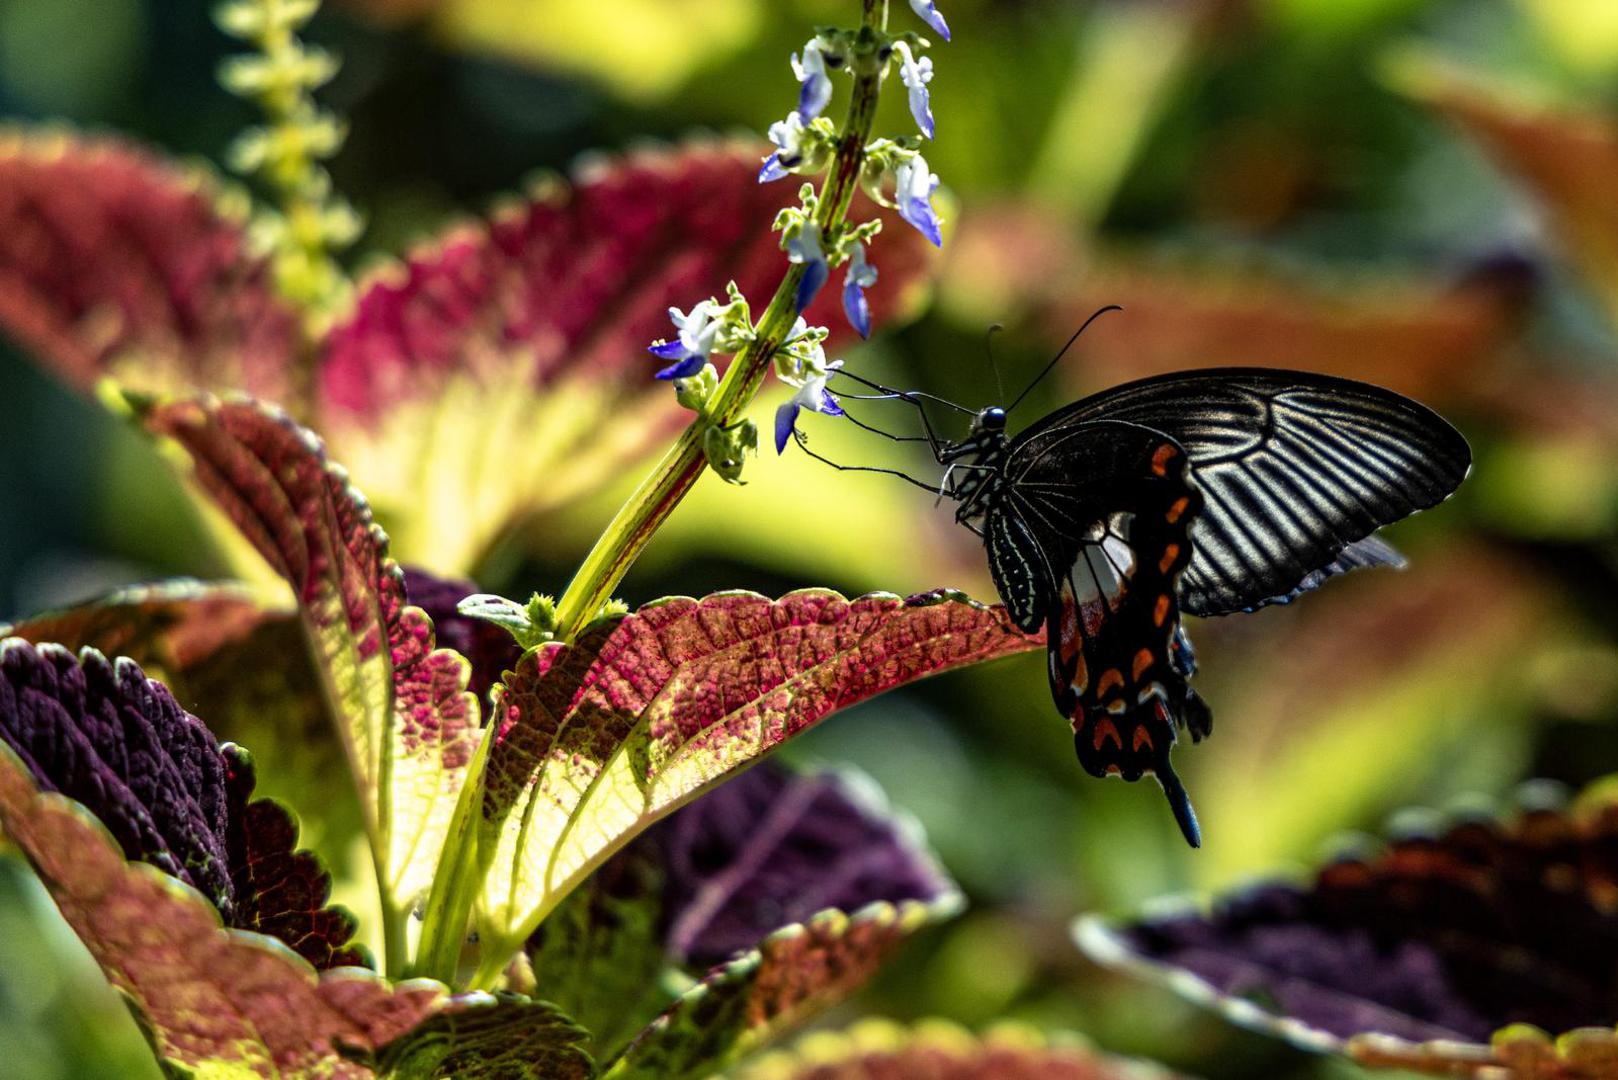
535	914
507	770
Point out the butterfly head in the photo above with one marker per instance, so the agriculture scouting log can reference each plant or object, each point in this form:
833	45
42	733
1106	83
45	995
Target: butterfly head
991	419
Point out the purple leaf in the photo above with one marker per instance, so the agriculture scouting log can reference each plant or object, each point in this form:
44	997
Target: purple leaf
1454	935
103	734
213	1001
771	847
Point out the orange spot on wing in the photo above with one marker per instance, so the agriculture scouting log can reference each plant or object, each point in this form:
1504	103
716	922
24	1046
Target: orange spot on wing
1161	458
1143	660
1162	611
1170	554
1104	731
1142	735
1110	679
1177	508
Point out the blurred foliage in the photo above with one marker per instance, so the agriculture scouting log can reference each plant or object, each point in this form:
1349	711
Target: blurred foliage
1324	183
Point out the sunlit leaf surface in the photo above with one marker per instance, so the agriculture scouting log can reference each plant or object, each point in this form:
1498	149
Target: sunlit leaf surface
116	262
403	712
1416	952
502	371
879	1050
598	739
224	1003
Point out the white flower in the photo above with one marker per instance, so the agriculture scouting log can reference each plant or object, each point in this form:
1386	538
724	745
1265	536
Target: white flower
698	332
916	74
811	72
788	137
914	185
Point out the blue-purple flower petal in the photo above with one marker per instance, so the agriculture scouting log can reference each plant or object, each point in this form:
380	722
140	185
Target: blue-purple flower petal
920	213
856	307
684	369
931	16
786	416
814	278
772	169
668	350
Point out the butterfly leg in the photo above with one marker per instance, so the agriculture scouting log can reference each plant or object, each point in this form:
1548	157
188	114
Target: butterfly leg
803	444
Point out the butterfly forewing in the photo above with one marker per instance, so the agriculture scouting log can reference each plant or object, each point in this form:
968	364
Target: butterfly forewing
1294	468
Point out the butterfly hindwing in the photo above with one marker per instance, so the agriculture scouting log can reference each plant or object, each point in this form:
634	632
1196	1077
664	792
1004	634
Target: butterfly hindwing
1108	508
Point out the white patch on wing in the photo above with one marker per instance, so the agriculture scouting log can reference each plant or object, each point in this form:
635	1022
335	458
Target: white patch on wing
1105	562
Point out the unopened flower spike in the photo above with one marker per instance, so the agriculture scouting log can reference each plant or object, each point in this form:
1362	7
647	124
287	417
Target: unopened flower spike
812	395
815	94
698	332
913	187
859	276
931	16
805	247
916	74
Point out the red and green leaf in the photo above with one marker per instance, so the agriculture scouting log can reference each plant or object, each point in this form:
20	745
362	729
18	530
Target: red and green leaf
489	1037
599	738
114	262
881	1050
1415	953
502	371
794	974
214	1001
406	720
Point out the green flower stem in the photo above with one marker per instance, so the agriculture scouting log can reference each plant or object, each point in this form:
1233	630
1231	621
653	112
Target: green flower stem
639	518
454	891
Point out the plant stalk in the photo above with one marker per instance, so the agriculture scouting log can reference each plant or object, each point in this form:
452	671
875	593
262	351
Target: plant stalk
650	505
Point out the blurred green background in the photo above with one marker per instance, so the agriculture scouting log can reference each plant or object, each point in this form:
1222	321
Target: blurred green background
1268	181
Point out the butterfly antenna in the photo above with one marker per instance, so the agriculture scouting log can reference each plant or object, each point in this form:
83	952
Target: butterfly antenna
988	347
1057	358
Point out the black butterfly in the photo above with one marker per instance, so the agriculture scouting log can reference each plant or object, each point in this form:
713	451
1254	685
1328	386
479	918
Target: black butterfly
1201	492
